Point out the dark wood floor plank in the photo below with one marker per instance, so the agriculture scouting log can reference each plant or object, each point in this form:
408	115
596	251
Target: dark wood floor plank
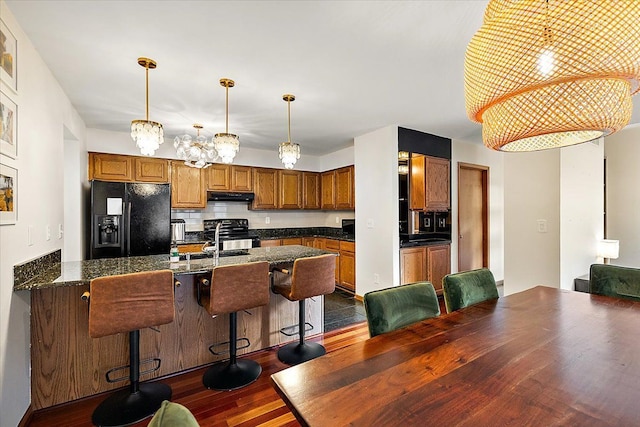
255	405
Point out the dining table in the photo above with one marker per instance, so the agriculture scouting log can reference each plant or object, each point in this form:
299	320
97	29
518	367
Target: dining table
541	357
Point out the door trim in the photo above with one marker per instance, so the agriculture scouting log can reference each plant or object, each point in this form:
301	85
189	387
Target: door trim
485	214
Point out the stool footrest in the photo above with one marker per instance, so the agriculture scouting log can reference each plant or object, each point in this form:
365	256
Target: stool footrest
294	330
156	360
222	353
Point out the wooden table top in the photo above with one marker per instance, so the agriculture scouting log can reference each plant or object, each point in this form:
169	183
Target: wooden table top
540	357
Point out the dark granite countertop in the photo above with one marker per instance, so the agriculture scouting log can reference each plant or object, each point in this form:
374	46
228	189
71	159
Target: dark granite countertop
82	272
288	233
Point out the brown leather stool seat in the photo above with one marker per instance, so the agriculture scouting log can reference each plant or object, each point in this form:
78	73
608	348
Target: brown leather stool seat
128	303
233	288
312	276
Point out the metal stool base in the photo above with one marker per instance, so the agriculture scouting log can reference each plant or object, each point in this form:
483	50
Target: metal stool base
124	408
228	376
295	353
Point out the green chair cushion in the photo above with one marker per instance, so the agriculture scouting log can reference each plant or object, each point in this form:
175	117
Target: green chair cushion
173	414
393	308
468	288
615	281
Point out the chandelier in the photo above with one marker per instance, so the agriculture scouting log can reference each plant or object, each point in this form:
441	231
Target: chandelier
147	134
226	144
289	152
542	74
198	153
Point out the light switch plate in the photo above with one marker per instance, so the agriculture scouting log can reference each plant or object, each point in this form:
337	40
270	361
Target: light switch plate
542	226
47	232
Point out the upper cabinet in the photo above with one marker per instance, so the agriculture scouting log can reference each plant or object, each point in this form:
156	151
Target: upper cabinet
429	183
265	187
290	194
222	177
337	188
187	186
310	190
120	168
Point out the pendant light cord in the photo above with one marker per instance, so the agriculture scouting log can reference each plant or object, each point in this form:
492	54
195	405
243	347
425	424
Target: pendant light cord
289	115
227	108
147	89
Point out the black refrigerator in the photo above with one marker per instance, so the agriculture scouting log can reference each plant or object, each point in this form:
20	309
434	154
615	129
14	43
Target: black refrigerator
129	219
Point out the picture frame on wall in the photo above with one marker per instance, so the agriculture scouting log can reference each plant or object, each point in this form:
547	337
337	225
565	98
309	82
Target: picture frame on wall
8	57
8	126
8	194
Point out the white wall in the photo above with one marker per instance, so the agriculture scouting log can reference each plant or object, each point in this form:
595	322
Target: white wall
622	151
531	193
581	209
478	154
76	190
377	248
43	113
103	141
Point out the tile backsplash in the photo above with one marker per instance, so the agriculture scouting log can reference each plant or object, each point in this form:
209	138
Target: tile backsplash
258	219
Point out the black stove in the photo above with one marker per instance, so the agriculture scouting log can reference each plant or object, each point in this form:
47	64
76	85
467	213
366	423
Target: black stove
234	234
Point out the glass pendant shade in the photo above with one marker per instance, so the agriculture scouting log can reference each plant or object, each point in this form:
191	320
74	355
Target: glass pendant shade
147	134
198	152
289	153
542	74
227	145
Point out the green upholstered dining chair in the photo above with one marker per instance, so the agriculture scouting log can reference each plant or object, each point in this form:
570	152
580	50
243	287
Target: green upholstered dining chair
173	414
468	288
615	281
393	308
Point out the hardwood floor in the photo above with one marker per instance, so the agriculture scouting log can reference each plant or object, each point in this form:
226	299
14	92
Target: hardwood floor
255	405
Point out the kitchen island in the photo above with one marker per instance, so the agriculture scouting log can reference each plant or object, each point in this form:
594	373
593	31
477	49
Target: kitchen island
66	364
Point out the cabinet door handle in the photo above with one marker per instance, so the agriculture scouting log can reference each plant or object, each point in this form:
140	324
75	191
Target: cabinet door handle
461	236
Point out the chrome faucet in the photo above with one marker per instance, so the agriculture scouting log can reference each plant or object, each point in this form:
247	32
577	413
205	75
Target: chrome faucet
216	248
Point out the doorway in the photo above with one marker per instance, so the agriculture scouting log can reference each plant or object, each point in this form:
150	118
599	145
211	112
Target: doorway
473	216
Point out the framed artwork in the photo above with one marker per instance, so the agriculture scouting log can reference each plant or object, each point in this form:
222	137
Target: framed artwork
8	126
8	57
8	194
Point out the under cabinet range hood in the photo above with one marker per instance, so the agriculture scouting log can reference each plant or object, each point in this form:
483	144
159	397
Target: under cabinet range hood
229	197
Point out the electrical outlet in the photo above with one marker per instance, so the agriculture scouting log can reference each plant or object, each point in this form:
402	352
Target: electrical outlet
267	220
30	235
47	232
370	223
337	220
542	226
376	278
60	231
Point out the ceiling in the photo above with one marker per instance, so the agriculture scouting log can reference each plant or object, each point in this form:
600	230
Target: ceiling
354	66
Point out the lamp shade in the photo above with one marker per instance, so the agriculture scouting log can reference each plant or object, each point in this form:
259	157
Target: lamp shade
544	74
608	248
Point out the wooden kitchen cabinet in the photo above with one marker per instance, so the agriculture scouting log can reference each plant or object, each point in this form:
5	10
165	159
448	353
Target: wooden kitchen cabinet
290	185
413	265
265	187
222	177
334	246
190	248
188	188
111	167
269	243
291	241
429	179
149	169
439	264
337	189
310	190
348	265
425	263
344	188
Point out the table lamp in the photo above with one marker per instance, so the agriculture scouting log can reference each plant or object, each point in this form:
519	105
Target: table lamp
608	249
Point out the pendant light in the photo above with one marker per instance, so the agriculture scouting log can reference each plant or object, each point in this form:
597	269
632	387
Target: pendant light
198	152
542	74
147	134
289	152
226	144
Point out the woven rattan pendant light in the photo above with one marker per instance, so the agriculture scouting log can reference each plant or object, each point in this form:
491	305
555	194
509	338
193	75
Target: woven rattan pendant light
542	74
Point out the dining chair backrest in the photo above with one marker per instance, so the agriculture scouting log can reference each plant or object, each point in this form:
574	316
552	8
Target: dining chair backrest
467	288
615	281
393	308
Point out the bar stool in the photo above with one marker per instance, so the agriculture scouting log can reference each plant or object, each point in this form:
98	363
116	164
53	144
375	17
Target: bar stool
312	276
233	288
128	303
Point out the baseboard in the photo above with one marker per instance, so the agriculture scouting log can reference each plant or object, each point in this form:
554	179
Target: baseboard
26	418
499	282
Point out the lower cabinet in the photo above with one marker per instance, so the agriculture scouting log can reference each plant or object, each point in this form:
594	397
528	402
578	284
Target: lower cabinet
348	265
425	263
270	242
